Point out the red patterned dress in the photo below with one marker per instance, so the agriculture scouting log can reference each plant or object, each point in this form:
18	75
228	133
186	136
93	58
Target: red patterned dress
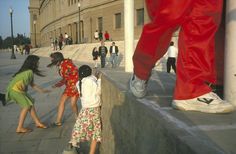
69	73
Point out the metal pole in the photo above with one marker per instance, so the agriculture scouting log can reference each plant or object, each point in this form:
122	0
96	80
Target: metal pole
91	30
12	38
35	35
79	25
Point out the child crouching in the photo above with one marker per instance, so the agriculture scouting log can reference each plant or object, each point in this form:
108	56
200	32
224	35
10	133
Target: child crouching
88	123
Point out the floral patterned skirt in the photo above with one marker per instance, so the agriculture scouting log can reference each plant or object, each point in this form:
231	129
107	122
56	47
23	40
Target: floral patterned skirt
87	126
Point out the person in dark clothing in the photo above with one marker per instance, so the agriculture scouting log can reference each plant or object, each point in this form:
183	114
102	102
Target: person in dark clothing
102	50
100	35
60	41
95	56
2	98
113	54
27	49
55	43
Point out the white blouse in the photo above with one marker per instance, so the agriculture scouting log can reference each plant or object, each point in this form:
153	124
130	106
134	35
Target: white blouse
91	92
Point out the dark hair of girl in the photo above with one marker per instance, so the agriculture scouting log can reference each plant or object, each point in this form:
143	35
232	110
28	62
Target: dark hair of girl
84	71
30	63
56	57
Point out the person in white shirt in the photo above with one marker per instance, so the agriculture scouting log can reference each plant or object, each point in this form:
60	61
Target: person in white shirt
172	54
66	38
88	123
96	35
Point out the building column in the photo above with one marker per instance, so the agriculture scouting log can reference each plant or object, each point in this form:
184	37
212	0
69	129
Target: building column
129	34
230	53
74	35
69	30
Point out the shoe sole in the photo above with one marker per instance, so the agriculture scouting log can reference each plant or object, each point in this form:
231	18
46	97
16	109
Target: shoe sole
186	107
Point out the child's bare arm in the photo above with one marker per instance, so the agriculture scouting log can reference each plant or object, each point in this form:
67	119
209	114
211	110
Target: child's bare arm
39	89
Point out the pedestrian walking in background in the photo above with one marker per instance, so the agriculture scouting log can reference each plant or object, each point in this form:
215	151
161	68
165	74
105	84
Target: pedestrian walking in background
95	56
172	54
96	36
55	44
113	54
102	50
60	41
27	49
198	22
106	36
69	73
17	92
15	48
3	99
21	49
66	36
100	35
88	123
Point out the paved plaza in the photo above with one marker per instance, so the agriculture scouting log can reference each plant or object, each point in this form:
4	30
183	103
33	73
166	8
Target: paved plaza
199	132
41	141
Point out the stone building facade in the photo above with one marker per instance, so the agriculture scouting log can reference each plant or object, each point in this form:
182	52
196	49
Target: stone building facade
50	18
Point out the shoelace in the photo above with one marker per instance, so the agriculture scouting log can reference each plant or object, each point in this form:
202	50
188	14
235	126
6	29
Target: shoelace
136	79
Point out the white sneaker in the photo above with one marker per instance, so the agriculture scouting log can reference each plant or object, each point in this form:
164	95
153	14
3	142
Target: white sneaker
208	103
137	86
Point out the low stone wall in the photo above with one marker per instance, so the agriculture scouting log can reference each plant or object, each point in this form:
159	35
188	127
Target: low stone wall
131	126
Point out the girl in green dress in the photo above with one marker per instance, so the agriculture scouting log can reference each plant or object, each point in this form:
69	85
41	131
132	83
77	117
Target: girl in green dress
17	92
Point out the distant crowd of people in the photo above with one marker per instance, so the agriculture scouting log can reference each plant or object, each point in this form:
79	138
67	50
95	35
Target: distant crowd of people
101	52
22	49
57	43
98	35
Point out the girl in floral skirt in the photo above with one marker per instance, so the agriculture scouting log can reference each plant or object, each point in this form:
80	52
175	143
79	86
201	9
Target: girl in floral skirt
88	123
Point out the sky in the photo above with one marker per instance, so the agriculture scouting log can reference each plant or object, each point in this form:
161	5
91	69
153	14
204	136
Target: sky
21	17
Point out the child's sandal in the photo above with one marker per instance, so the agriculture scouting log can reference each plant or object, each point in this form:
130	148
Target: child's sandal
57	123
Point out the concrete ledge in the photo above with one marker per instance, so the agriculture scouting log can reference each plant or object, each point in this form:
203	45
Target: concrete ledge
150	125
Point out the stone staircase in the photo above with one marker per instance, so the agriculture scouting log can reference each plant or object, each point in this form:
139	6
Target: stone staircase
83	53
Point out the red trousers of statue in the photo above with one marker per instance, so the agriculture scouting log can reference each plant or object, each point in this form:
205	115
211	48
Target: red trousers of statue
198	21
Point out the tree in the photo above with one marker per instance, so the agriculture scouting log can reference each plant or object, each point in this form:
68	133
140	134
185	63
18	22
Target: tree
7	43
20	39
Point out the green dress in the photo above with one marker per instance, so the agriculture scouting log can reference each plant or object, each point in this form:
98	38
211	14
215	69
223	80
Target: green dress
17	89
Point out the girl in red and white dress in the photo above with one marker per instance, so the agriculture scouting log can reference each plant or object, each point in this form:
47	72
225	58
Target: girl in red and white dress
69	73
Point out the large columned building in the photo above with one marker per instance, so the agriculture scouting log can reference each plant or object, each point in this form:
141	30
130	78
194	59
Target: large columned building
50	18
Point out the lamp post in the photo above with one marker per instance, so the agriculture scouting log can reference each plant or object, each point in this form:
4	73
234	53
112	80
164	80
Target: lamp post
79	31
12	39
35	44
